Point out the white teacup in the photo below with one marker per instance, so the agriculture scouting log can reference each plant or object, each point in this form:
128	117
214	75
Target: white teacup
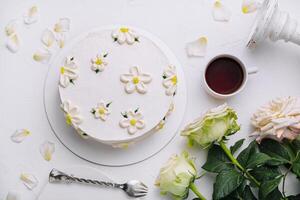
245	71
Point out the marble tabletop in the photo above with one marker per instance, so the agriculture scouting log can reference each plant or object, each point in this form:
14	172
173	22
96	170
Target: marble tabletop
176	22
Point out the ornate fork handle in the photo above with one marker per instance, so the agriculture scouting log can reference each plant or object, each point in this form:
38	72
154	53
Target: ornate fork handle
57	176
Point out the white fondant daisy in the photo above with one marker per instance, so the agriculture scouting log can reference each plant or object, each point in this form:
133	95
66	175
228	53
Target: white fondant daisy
20	135
125	35
47	149
101	111
170	80
133	121
135	80
72	114
99	63
197	47
68	72
31	16
221	12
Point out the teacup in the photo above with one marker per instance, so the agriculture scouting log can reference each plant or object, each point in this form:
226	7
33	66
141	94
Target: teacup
226	75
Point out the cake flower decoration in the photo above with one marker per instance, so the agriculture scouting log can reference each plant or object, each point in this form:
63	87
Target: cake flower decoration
68	72
249	6
177	177
125	35
72	114
31	16
133	121
135	81
279	119
101	111
99	63
170	80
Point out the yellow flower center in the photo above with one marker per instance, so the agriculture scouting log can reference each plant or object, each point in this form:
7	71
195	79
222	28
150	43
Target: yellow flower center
245	9
62	70
135	80
26	132
124	30
101	111
174	80
218	4
68	119
133	122
99	61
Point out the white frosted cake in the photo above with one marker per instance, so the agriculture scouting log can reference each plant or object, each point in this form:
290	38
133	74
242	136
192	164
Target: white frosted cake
116	86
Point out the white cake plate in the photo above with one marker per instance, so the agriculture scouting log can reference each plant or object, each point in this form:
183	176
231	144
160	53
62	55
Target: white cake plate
76	191
102	154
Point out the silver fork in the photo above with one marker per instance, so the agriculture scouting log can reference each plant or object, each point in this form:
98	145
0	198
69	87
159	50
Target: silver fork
132	188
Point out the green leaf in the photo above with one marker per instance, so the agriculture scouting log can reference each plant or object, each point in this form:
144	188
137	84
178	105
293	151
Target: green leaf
265	173
248	195
296	165
278	152
275	195
217	160
296	197
244	157
256	160
237	146
268	186
226	182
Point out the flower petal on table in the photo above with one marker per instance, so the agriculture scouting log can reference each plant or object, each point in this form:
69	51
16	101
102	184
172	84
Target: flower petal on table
197	48
48	38
42	56
11	27
31	16
221	12
47	149
13	43
249	6
20	135
29	180
62	26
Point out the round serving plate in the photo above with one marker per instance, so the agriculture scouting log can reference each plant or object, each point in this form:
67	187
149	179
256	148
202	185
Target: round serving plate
96	152
60	191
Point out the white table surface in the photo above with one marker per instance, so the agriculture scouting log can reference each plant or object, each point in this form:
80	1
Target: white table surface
176	22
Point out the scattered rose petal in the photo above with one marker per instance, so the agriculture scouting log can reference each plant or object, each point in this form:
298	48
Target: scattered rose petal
221	12
197	47
13	43
31	16
47	149
20	135
42	56
11	27
249	6
62	26
13	195
60	39
48	38
29	180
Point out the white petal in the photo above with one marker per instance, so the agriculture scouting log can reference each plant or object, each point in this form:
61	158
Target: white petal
171	90
221	12
121	38
124	123
141	88
42	56
20	135
125	78
197	47
130	87
249	6
140	124
132	130
13	195
31	16
48	38
47	149
60	39
135	71
13	43
129	38
62	26
145	78
29	180
10	28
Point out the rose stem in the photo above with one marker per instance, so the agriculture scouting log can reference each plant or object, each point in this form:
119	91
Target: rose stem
193	187
236	163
